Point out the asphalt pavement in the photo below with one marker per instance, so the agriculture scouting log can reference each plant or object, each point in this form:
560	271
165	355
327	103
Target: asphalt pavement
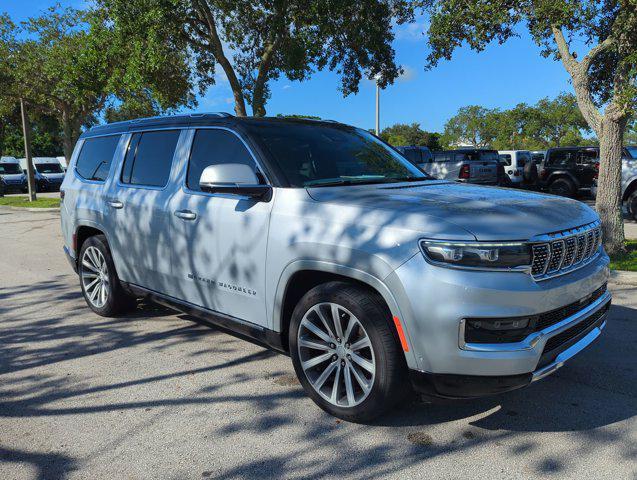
156	395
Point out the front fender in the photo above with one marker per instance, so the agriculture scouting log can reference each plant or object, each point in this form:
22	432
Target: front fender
344	270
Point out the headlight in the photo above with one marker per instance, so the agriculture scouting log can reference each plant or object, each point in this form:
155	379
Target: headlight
496	255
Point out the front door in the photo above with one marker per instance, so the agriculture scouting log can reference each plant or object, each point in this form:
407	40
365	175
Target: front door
218	240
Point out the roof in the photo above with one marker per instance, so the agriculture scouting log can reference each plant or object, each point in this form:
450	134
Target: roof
189	120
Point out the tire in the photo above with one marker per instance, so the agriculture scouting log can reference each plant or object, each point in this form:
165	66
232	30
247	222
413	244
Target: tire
385	383
632	205
563	187
530	173
100	284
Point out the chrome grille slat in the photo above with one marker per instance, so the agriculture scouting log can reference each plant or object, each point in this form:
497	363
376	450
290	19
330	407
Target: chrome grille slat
564	251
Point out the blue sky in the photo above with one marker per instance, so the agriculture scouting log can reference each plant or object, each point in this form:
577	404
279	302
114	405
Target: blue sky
501	76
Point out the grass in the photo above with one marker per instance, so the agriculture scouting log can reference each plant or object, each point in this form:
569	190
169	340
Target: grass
626	261
20	201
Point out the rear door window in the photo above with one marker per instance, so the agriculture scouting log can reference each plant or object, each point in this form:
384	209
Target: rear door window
149	158
587	157
94	160
561	158
505	159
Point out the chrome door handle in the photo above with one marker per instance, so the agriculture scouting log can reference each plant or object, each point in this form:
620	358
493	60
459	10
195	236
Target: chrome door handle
185	214
115	203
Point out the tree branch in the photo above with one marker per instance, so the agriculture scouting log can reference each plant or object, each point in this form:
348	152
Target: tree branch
581	83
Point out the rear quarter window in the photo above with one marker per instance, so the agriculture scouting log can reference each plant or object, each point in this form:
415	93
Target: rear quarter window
94	160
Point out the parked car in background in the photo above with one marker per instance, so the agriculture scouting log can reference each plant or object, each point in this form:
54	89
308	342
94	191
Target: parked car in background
319	240
537	157
63	162
11	175
48	174
514	162
629	183
417	155
470	165
570	171
630	151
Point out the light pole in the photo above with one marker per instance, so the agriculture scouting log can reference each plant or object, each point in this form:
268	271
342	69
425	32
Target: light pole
377	77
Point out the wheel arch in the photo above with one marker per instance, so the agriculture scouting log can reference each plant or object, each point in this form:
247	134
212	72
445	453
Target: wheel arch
301	276
563	174
630	189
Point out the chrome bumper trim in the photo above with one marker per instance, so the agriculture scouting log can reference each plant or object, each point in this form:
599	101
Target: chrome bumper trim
532	341
568	353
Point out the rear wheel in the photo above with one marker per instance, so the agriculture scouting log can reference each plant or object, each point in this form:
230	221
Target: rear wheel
563	187
345	352
632	205
101	287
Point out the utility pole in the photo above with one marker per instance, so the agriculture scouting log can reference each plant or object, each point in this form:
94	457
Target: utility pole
26	131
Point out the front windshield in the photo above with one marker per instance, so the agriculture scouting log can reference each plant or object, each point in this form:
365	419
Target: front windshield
10	169
319	155
632	151
49	168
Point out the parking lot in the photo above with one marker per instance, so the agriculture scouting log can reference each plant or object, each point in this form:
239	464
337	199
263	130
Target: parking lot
156	395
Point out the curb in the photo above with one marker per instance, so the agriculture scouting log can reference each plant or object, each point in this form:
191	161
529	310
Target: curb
28	209
621	277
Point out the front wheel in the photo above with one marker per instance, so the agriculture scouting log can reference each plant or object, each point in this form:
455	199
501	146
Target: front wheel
345	352
100	285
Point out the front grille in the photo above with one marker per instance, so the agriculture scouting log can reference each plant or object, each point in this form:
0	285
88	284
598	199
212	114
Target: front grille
555	316
569	334
565	251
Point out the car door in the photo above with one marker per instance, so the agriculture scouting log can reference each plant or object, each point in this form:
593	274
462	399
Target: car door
137	202
219	240
587	161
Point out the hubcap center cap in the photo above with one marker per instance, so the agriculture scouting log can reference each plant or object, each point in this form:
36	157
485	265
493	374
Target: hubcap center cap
340	351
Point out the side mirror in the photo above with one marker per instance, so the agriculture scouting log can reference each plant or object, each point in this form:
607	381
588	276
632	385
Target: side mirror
234	179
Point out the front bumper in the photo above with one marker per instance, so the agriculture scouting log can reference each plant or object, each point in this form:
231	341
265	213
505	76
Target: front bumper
470	386
434	301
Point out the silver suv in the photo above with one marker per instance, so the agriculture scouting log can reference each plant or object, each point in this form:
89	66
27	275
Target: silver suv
320	241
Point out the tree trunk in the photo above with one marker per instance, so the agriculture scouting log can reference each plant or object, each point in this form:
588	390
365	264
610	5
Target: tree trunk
609	202
26	131
67	128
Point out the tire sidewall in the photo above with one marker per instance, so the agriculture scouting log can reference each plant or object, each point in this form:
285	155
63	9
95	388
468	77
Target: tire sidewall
568	187
378	397
110	307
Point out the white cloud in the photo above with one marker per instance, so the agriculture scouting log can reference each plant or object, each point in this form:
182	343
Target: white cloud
285	87
411	31
408	74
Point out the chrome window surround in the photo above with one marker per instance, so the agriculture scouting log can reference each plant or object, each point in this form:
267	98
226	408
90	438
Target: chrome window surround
532	340
586	251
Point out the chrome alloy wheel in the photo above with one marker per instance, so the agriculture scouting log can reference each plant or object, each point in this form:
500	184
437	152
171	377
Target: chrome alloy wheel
336	354
94	274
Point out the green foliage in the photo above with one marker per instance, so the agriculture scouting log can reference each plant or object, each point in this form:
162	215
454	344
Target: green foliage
626	260
548	123
609	23
70	64
24	202
254	42
403	134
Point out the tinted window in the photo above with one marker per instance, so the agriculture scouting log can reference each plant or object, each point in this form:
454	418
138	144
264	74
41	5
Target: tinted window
505	158
49	168
413	155
10	169
213	147
426	154
149	158
315	154
442	157
632	151
588	157
96	156
560	158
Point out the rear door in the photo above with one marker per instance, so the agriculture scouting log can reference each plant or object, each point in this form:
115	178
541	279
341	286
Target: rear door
138	209
586	164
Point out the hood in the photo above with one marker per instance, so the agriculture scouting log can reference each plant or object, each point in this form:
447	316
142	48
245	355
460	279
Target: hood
52	176
13	176
488	213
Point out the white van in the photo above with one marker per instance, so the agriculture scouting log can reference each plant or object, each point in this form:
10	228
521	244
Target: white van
513	162
48	172
11	175
63	162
